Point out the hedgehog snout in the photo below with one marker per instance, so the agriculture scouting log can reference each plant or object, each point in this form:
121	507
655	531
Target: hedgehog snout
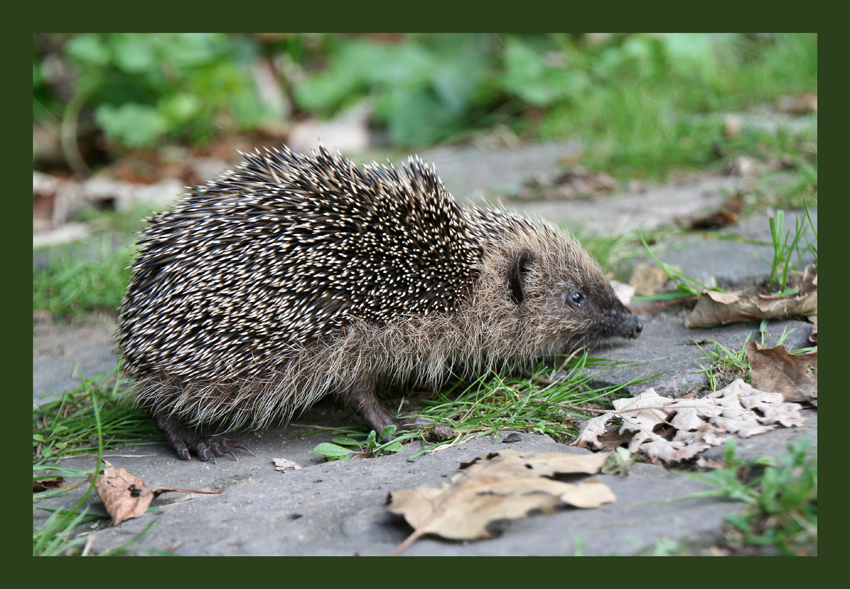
621	323
637	328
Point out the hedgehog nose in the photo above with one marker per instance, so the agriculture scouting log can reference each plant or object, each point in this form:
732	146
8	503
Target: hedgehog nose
637	329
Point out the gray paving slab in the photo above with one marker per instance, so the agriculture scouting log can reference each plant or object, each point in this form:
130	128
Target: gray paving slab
62	354
337	508
646	210
470	173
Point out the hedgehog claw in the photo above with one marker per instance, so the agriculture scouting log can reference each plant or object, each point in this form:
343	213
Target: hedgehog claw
231	444
211	447
186	441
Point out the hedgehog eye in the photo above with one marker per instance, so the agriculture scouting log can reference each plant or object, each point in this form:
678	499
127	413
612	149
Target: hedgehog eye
576	298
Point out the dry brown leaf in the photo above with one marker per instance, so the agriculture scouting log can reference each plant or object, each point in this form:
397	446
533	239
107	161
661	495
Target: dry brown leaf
48	484
588	494
126	496
699	423
649	279
284	464
718	308
498	486
592	430
624	292
797	105
775	370
727	215
703	462
814	335
574	183
641	415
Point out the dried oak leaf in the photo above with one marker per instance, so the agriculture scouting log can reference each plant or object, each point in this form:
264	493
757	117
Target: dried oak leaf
498	486
719	308
792	375
738	409
126	496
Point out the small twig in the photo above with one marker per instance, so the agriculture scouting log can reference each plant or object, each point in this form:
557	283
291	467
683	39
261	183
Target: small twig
68	134
546	381
89	541
570	357
664	304
322	427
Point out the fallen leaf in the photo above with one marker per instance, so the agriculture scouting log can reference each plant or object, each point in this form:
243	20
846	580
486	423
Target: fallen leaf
792	375
588	494
727	215
623	291
498	486
718	308
592	430
640	415
126	496
797	105
574	183
649	279
619	462
738	409
284	464
813	337
48	484
703	462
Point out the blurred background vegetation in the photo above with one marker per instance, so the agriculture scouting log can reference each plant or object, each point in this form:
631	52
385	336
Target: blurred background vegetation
641	103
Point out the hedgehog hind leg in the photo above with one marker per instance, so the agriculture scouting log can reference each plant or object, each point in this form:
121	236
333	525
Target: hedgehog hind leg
184	439
364	400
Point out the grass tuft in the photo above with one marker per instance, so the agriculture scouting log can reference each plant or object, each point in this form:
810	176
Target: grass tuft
72	285
548	401
782	499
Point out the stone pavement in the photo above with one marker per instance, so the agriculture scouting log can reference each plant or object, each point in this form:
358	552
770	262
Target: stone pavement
335	508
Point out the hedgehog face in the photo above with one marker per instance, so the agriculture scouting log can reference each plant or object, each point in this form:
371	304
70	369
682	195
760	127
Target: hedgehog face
600	308
572	301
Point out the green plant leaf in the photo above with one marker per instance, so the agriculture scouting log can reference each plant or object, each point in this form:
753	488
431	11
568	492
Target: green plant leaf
134	125
331	451
346	442
133	54
88	48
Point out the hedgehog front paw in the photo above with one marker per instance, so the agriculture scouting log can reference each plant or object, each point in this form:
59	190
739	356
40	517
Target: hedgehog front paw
186	441
210	447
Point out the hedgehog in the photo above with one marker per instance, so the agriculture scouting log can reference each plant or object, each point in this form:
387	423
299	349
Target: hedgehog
298	276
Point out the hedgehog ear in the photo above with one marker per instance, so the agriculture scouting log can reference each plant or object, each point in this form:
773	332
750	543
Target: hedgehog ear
517	272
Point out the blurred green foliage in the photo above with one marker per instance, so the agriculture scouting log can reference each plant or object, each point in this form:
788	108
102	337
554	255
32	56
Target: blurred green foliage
74	283
638	100
425	89
145	87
